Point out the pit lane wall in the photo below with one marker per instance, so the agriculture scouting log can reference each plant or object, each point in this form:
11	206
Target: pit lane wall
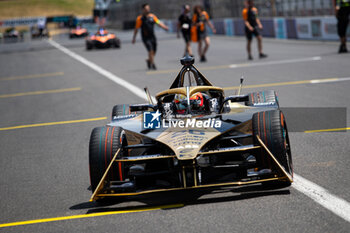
30	21
307	28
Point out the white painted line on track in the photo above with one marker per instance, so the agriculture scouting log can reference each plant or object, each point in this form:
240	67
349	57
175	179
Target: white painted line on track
330	80
320	195
132	88
276	62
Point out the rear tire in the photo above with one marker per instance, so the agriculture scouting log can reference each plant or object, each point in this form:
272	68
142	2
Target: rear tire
271	127
104	143
268	98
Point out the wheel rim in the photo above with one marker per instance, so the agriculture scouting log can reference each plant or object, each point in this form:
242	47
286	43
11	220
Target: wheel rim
287	147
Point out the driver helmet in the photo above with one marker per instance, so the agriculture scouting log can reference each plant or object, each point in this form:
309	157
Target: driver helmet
196	102
180	103
102	31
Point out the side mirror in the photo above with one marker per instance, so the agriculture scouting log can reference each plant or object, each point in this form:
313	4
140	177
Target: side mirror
141	107
234	98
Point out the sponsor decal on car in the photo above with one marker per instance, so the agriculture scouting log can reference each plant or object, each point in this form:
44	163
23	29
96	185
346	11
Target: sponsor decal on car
152	120
123	117
264	103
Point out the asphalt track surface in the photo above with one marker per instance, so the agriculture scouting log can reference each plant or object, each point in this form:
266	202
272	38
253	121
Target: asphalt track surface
44	167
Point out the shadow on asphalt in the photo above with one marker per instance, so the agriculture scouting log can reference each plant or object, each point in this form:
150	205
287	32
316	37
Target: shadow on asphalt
185	197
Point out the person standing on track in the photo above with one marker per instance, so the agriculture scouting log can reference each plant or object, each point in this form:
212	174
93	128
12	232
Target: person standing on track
252	27
146	22
184	23
342	12
199	20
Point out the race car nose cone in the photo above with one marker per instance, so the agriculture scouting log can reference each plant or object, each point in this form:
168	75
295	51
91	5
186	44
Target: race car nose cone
187	60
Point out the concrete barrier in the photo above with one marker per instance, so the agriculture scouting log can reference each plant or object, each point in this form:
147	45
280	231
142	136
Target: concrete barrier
280	28
306	28
291	29
229	27
28	21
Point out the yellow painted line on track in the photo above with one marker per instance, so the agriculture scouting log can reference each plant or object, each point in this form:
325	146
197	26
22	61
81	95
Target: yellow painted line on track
162	71
327	130
312	81
40	92
215	67
89	215
53	123
32	76
176	71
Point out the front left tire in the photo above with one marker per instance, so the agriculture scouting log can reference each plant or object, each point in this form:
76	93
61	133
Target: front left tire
89	45
104	143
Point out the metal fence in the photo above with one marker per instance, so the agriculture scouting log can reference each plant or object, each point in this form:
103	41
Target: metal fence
296	7
127	10
272	8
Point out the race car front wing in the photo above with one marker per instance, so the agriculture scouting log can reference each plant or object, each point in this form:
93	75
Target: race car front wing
280	174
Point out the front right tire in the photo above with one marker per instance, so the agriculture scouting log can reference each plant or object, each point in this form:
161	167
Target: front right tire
116	43
268	98
271	127
120	110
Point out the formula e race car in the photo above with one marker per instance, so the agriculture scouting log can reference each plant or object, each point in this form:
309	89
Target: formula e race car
12	35
78	32
192	137
102	39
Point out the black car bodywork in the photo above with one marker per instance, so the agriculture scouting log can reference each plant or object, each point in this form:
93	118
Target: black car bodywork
247	143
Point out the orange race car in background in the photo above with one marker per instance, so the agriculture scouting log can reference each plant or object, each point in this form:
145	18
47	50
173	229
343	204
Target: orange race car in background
102	39
78	32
